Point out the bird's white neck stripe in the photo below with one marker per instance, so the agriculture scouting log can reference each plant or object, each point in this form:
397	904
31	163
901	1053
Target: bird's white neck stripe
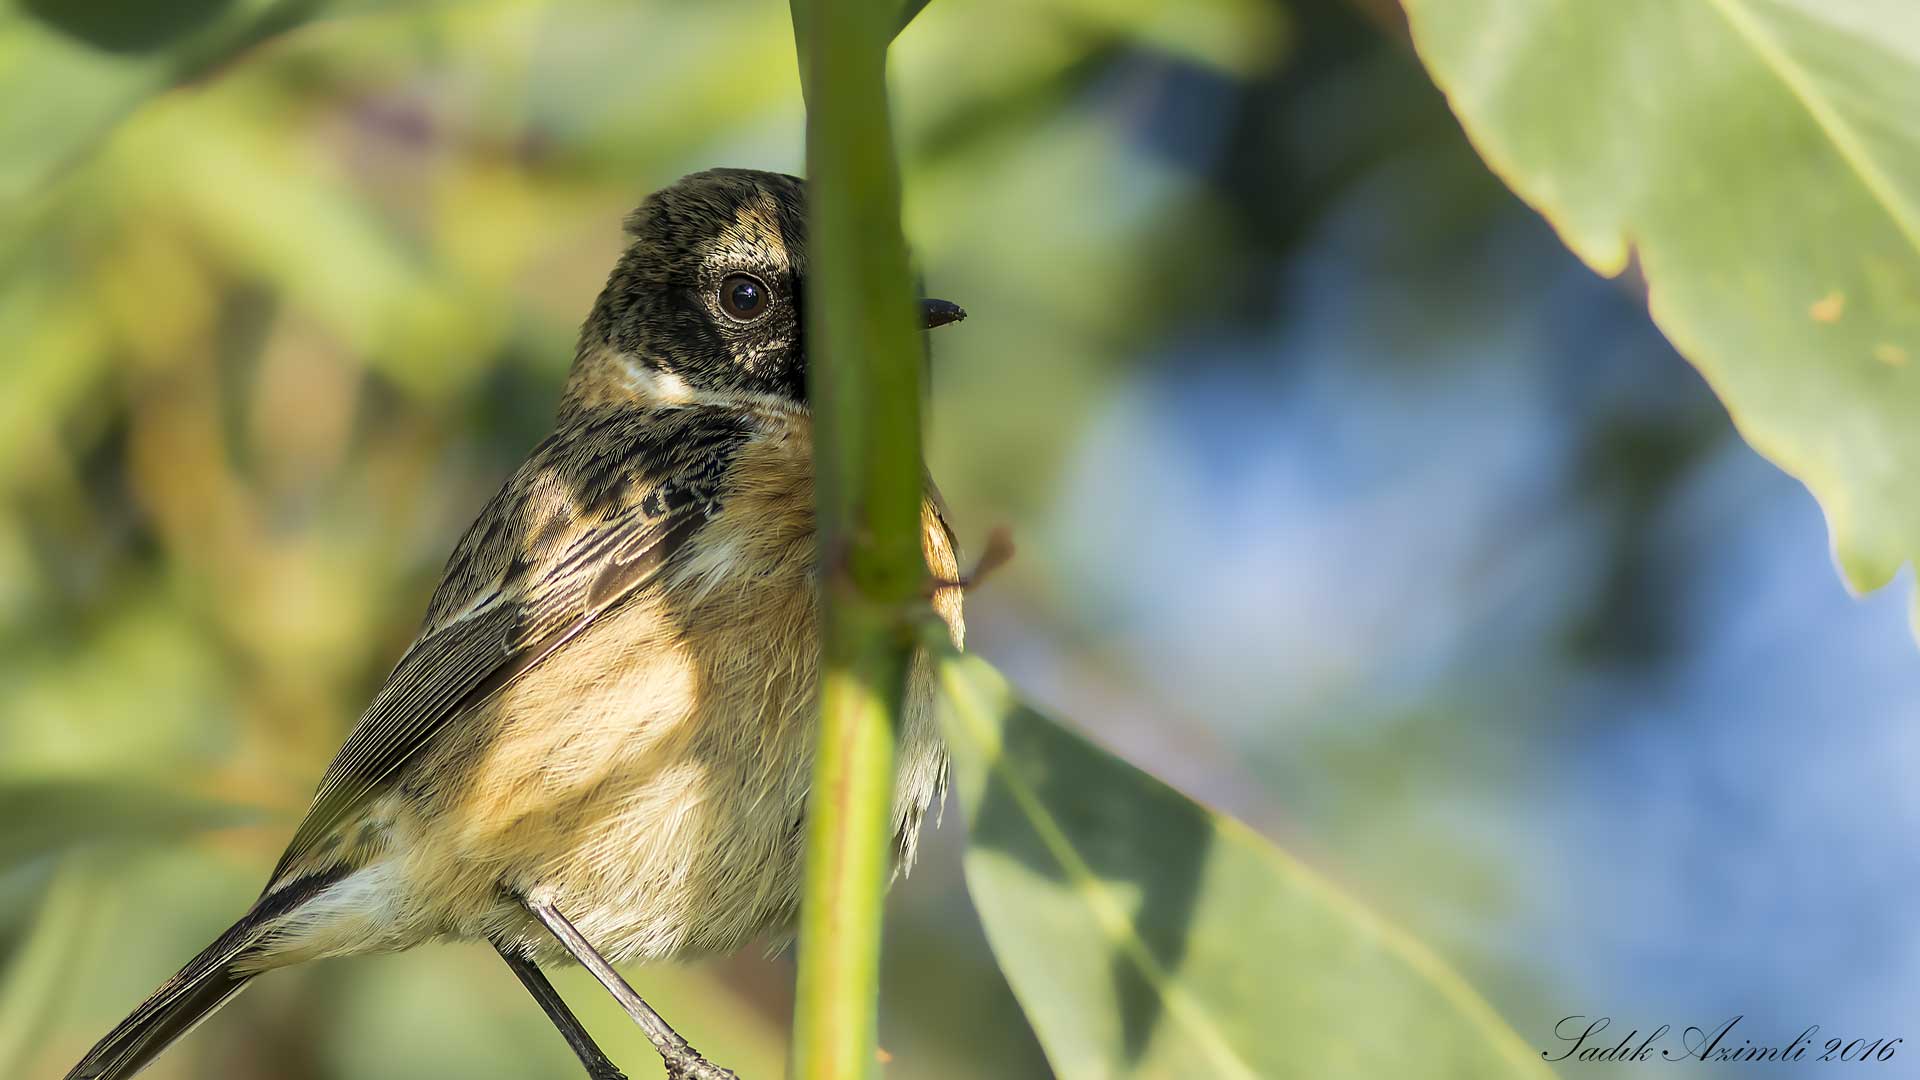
649	382
660	387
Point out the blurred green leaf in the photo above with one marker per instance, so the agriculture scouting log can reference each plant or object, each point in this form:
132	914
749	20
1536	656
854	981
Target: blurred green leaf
1236	36
34	974
85	64
1761	159
58	354
596	106
1148	936
276	212
39	816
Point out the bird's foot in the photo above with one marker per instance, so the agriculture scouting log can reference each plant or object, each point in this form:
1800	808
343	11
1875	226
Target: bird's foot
687	1064
999	552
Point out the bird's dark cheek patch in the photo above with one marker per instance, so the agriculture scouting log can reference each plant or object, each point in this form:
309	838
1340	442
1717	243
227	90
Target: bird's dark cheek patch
770	364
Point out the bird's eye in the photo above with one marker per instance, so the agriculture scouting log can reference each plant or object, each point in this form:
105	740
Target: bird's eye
743	297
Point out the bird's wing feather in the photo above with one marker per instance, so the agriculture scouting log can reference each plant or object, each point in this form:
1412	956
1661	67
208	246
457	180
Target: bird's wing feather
621	498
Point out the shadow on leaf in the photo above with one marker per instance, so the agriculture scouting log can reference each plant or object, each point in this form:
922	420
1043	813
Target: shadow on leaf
127	26
1142	850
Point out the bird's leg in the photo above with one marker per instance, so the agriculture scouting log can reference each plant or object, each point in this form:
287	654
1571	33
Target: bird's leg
598	1066
683	1061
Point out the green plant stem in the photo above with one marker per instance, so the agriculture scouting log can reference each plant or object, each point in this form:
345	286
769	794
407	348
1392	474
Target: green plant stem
865	355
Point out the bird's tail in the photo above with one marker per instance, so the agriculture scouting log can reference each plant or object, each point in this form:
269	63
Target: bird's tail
209	981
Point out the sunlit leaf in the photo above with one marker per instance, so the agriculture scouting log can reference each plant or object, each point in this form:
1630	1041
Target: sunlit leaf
1761	160
1148	936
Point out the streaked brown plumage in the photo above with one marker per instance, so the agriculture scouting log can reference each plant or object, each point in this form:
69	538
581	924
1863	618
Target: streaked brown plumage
610	705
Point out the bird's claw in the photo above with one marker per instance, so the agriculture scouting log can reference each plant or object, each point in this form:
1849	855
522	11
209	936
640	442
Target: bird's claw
687	1064
999	552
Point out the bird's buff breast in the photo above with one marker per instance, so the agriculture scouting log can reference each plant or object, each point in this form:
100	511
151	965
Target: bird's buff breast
651	778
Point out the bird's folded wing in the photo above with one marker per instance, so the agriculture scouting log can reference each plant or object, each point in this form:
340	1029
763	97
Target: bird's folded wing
529	611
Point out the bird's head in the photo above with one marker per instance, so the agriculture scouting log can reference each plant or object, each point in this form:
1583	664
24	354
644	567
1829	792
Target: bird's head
707	302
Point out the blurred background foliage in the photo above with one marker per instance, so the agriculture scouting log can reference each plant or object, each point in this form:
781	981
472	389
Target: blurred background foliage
1348	501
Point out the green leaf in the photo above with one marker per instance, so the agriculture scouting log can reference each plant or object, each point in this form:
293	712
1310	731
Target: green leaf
42	816
37	970
1148	936
84	65
1761	158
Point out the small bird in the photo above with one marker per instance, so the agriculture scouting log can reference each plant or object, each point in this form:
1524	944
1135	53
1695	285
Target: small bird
598	747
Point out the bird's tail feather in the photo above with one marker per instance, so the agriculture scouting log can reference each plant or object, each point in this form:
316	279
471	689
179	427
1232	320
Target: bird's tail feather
209	981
